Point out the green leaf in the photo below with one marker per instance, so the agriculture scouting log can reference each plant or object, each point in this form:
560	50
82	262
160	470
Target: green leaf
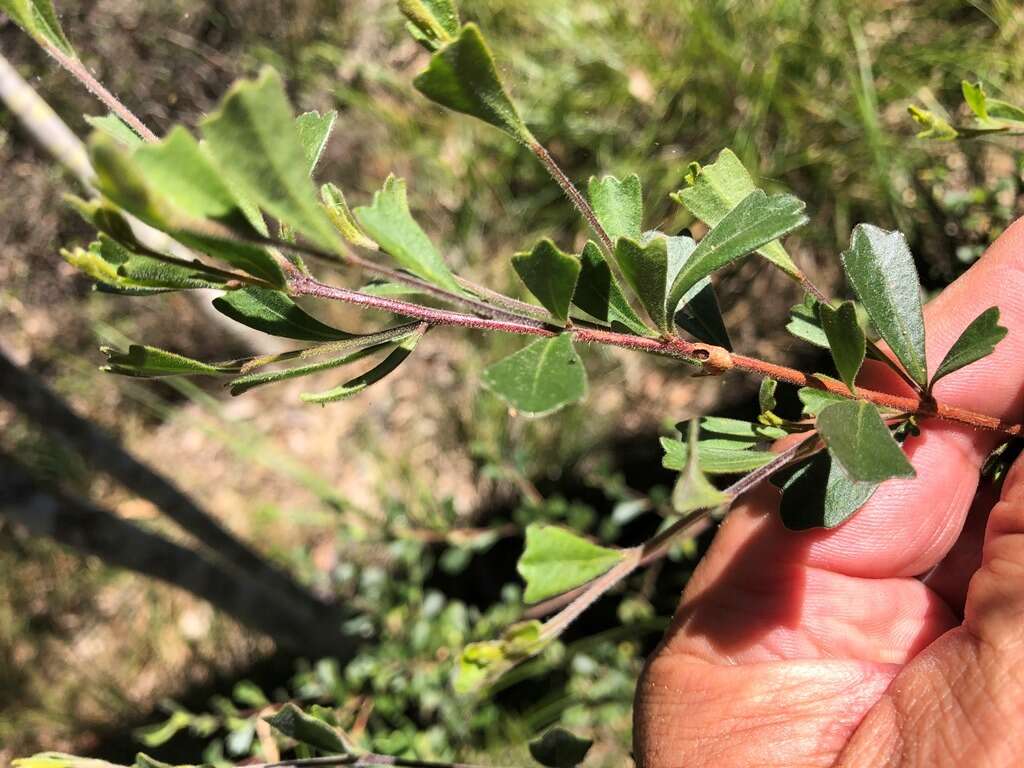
354	386
619	205
974	95
555	561
541	378
766	395
816	400
805	322
861	443
645	267
273	313
150	362
845	339
481	663
719	425
306	729
978	340
248	694
254	140
599	294
692	490
757	220
388	221
341	353
341	216
115	127
39	19
820	495
462	76
314	131
560	749
172	186
698	312
550	275
881	270
714	190
1003	110
713	460
112	264
436	21
932	126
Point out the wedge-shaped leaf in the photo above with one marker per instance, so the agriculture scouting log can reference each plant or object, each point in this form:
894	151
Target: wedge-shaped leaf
150	362
599	294
932	126
550	275
820	495
645	267
462	76
330	355
341	216
618	204
692	490
861	443
714	190
755	221
388	221
978	340
1003	110
881	270
845	339
805	323
274	313
698	312
253	138
433	21
172	186
314	131
110	263
974	95
354	386
713	460
309	730
555	561
817	400
39	19
116	128
719	425
558	748
482	663
540	378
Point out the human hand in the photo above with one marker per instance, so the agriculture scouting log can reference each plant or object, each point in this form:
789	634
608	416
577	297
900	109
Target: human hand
824	648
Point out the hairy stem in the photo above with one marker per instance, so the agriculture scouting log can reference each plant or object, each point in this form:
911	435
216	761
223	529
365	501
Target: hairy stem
572	193
81	73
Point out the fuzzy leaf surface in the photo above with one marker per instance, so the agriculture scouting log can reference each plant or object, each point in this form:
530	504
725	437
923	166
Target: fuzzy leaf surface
550	275
39	19
645	267
820	495
599	294
618	204
692	490
309	730
341	217
356	385
149	362
555	561
881	270
978	340
861	443
713	460
845	339
275	314
314	131
433	21
541	378
805	323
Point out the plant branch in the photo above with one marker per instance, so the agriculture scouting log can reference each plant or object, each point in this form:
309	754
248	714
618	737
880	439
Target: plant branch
572	193
81	73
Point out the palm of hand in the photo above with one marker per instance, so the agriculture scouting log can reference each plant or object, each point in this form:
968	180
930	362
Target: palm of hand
824	648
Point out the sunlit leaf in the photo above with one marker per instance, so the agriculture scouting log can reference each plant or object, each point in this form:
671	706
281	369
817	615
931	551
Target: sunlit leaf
861	443
314	131
805	323
433	22
697	312
816	400
720	425
978	340
618	204
550	275
39	19
556	560
462	76
540	378
341	216
645	267
150	362
388	221
715	189
755	221
932	126
356	385
111	264
115	127
881	270
713	460
482	663
253	138
309	730
692	490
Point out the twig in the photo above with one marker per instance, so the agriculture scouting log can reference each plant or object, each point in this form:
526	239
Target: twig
77	69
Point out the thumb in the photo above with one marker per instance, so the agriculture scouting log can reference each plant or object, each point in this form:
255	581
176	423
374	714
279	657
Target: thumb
995	597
